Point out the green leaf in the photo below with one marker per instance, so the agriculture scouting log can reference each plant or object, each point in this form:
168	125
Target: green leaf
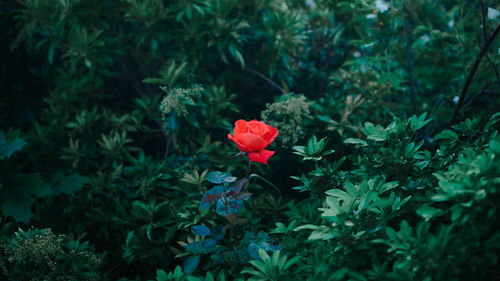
191	264
17	205
446	135
200	230
306	226
376	133
28	184
50	55
221	276
68	184
356	141
150	80
149	229
300	150
428	212
235	53
456	211
196	247
495	146
217	177
366	199
417	123
161	275
178	272
10	143
209	277
338	194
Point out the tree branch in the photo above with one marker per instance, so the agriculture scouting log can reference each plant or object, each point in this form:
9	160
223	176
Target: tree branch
472	72
265	78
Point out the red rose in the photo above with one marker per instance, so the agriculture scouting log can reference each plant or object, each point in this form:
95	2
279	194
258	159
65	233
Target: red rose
253	137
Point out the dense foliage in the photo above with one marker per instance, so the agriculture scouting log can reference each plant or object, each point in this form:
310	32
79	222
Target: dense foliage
115	162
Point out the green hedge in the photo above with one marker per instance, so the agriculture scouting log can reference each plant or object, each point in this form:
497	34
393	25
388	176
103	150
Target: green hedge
115	162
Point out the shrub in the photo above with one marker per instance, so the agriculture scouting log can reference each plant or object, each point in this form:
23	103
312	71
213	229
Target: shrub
115	118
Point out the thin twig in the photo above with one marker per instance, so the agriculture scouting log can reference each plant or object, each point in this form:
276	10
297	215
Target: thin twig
410	63
471	74
483	90
265	78
112	268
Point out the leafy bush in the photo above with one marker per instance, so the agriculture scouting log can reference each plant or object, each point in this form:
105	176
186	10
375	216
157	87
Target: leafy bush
114	127
39	254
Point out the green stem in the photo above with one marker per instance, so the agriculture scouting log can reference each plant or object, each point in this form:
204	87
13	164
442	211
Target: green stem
233	232
232	224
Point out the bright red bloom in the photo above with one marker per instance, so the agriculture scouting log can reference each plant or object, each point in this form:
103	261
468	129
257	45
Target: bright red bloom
253	137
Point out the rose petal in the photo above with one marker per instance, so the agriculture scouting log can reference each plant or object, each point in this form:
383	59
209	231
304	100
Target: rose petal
251	141
257	127
261	156
271	134
240	127
239	145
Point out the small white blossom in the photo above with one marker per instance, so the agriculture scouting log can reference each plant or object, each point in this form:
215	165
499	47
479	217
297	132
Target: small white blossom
381	6
493	13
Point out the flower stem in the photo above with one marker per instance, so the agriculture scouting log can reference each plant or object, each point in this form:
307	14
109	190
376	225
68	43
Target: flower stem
248	169
233	233
232	224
